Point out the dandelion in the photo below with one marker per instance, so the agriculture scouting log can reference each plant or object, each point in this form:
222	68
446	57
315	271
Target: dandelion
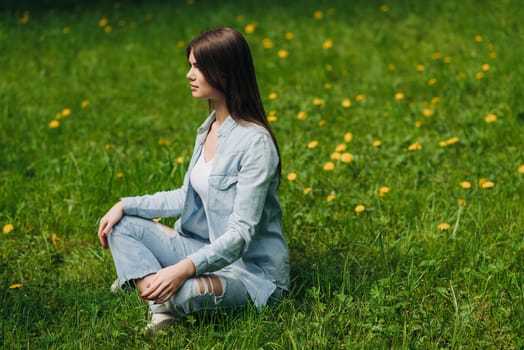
360	97
341	147
8	228
327	44
462	75
25	18
461	202
359	208
487	184
163	142
328	86
16	286
318	102
443	226
384	8
84	104
54	239
318	15
282	54
289	36
119	175
493	55
436	55
328	166
399	96
490	118
376	143
442	143
486	67
420	67
330	197
53	124
521	169
103	22
321	122
435	100
465	185
272	118
180	160
348	137
346	157
418	124
272	96
312	144
415	147
480	75
346	103
107	146
307	190
292	176
432	81
427	112
108	29
478	38
301	115
447	59
250	28
267	43
335	155
382	191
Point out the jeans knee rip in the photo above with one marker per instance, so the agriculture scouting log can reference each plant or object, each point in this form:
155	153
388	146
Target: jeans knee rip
209	285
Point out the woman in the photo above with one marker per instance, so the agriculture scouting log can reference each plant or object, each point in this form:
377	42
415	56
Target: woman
227	246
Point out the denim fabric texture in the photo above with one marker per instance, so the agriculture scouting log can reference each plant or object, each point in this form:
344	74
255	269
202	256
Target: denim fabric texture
241	237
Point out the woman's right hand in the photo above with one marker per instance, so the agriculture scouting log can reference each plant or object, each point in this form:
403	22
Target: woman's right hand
107	222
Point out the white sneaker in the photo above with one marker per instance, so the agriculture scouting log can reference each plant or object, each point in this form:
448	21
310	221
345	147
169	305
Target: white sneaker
159	321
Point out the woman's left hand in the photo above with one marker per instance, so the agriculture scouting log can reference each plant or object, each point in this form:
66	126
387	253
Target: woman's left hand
168	281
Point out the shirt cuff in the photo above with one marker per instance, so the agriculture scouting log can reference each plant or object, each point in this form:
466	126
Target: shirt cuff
129	204
200	261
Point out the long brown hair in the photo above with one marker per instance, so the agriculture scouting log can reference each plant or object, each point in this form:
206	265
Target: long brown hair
224	58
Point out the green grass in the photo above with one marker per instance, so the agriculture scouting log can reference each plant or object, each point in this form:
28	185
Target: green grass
387	277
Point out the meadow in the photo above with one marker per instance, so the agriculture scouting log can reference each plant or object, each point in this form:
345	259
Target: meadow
401	128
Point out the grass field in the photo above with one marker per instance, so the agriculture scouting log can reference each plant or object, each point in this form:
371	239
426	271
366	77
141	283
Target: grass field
401	126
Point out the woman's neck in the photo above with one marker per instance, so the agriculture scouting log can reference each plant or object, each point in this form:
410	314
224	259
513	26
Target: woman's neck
221	111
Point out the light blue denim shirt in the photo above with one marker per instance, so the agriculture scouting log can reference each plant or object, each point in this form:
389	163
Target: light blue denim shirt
244	218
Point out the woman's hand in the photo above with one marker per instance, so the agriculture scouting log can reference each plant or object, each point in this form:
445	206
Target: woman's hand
107	222
168	281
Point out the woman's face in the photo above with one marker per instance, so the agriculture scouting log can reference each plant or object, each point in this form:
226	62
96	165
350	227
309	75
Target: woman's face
200	88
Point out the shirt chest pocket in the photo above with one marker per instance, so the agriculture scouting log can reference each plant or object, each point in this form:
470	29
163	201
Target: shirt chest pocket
222	193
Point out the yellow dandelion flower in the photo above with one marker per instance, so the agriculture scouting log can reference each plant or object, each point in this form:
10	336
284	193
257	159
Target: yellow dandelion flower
335	156
478	38
384	8
53	124
346	103
327	44
292	176
480	75
391	67
452	140
25	18
301	115
8	228
443	143
360	97
103	22
348	137
272	96
330	197
66	112
307	190
461	202
119	175
318	102
443	226
328	86
272	118
346	157
465	185
289	36
322	122
382	191
267	43
107	146
54	239
376	143
432	81
359	208
283	54
341	147
329	166
435	100
493	55
108	29
448	59
312	144
462	75
318	15
427	112
415	147
163	142
180	160
418	124
399	96
16	286
84	104
490	118
487	184
250	28
420	67
521	169
436	55
486	67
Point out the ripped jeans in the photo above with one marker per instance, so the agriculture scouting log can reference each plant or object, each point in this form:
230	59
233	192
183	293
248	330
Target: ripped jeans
141	247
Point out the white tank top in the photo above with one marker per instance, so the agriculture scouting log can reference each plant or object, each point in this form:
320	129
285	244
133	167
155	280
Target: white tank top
200	177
